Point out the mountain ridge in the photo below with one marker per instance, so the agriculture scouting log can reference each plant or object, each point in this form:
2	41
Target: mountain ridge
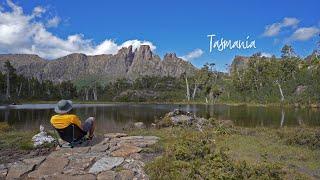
126	63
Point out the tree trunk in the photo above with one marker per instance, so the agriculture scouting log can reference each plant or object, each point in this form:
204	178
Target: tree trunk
188	90
194	91
19	92
8	85
281	92
95	97
282	118
87	94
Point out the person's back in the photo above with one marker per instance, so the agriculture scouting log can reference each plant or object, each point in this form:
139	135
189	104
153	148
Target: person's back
65	118
61	121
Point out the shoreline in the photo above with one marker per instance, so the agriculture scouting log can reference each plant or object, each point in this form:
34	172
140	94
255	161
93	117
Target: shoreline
310	106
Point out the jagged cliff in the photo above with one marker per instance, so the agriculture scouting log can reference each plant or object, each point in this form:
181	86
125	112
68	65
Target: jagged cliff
125	64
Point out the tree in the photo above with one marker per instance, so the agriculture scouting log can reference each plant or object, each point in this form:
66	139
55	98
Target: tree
187	85
201	77
287	51
9	72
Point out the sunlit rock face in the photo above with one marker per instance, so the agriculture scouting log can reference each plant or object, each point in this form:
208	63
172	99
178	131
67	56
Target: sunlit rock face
125	64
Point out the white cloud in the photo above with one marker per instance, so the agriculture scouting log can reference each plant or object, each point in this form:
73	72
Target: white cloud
136	44
304	33
193	55
53	22
37	11
287	22
264	54
275	28
24	33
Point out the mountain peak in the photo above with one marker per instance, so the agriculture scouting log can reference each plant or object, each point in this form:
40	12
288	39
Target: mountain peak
170	56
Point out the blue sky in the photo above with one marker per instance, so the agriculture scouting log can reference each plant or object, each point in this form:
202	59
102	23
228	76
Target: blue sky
172	26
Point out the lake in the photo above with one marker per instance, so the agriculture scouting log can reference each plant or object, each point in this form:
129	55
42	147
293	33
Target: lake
114	117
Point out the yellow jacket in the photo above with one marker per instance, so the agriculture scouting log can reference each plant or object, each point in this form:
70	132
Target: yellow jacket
61	121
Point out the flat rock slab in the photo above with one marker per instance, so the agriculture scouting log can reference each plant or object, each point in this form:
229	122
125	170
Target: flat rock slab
125	175
35	161
19	169
106	163
52	165
101	147
139	141
107	175
115	135
23	167
66	152
90	162
78	165
134	165
126	150
69	177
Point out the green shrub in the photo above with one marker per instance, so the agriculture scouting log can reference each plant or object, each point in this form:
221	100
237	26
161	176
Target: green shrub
301	137
190	146
164	122
193	155
4	127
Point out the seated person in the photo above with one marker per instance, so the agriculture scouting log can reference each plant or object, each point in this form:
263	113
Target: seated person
65	117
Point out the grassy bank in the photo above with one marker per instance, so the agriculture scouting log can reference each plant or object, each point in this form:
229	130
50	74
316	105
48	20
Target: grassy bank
235	153
16	145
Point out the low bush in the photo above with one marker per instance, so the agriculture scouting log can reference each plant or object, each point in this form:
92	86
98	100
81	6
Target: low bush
193	155
301	137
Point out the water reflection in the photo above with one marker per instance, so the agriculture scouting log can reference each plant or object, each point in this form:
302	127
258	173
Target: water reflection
114	117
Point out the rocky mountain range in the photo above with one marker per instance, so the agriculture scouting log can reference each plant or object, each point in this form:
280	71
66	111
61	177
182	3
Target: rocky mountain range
125	64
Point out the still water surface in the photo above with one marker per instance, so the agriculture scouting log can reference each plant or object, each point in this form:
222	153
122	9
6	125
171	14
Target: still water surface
114	117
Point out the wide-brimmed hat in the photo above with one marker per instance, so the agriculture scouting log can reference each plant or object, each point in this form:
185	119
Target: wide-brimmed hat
63	106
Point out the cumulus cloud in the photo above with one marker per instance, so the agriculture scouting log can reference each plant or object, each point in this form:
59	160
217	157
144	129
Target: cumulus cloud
53	22
193	55
264	54
287	22
304	33
275	28
37	11
24	33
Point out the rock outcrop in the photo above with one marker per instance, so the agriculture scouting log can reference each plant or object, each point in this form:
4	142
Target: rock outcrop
125	64
182	118
99	161
239	63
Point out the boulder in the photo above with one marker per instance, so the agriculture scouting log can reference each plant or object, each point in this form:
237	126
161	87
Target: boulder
182	118
139	125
